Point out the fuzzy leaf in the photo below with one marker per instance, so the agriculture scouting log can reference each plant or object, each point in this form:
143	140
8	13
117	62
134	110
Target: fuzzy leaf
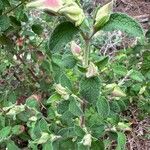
90	89
103	107
123	22
61	35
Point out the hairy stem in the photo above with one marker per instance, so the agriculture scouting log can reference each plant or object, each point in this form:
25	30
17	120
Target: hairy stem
86	53
85	65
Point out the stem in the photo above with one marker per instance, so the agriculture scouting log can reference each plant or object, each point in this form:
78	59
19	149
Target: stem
86	53
82	118
85	64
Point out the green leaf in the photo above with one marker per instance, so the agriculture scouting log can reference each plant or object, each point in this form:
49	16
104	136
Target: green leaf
47	146
119	69
121	140
97	130
65	81
4	23
53	98
137	76
79	131
69	61
1	5
97	145
102	62
74	107
63	106
62	34
64	144
12	146
114	106
5	132
82	147
67	132
37	29
32	103
123	22
65	117
103	107
43	126
2	121
43	139
90	89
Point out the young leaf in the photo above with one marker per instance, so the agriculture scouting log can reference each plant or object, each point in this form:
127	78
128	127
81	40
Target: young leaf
123	22
103	107
121	140
61	35
90	89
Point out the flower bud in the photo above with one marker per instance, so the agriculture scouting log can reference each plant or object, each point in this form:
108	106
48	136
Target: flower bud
117	92
75	49
73	12
92	70
103	15
50	5
62	91
87	140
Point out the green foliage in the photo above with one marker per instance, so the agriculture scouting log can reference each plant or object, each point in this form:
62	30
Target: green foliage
103	107
83	112
61	35
123	22
74	108
90	89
